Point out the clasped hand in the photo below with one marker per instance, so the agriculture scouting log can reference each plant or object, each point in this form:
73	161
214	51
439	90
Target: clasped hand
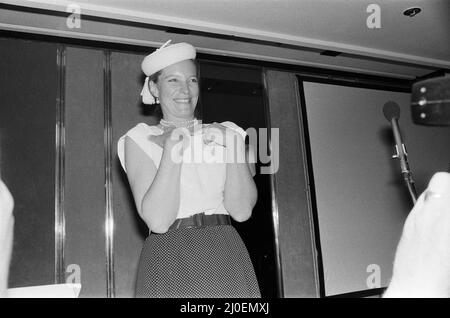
214	134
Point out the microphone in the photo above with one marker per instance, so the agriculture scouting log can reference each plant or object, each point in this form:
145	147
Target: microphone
391	111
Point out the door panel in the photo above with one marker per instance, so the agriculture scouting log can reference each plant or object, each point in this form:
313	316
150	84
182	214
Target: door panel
84	198
28	90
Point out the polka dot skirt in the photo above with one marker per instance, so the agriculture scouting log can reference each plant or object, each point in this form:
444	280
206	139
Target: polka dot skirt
196	262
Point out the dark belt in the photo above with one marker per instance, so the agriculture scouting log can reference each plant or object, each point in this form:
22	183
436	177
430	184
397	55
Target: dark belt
200	220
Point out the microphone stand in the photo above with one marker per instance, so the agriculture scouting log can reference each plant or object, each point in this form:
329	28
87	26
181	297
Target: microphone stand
410	185
402	155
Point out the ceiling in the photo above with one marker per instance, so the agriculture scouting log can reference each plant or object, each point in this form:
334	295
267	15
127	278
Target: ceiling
288	31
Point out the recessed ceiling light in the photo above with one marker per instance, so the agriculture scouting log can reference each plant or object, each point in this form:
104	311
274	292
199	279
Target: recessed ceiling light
411	12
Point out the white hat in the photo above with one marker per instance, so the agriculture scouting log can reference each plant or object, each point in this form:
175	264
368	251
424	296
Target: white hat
160	59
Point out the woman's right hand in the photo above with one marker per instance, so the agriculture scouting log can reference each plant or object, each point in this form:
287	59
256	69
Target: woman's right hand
174	141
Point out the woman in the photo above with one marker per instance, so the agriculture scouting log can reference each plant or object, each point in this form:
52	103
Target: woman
187	180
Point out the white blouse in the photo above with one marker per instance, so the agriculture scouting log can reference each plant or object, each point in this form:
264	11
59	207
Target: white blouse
203	170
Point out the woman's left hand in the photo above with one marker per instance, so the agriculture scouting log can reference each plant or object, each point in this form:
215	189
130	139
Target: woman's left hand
219	134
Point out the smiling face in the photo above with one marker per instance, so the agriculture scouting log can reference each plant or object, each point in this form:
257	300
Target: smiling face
177	89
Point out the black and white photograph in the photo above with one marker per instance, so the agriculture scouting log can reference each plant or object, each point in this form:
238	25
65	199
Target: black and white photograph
224	153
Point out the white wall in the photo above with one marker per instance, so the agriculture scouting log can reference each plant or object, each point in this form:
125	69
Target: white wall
361	199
